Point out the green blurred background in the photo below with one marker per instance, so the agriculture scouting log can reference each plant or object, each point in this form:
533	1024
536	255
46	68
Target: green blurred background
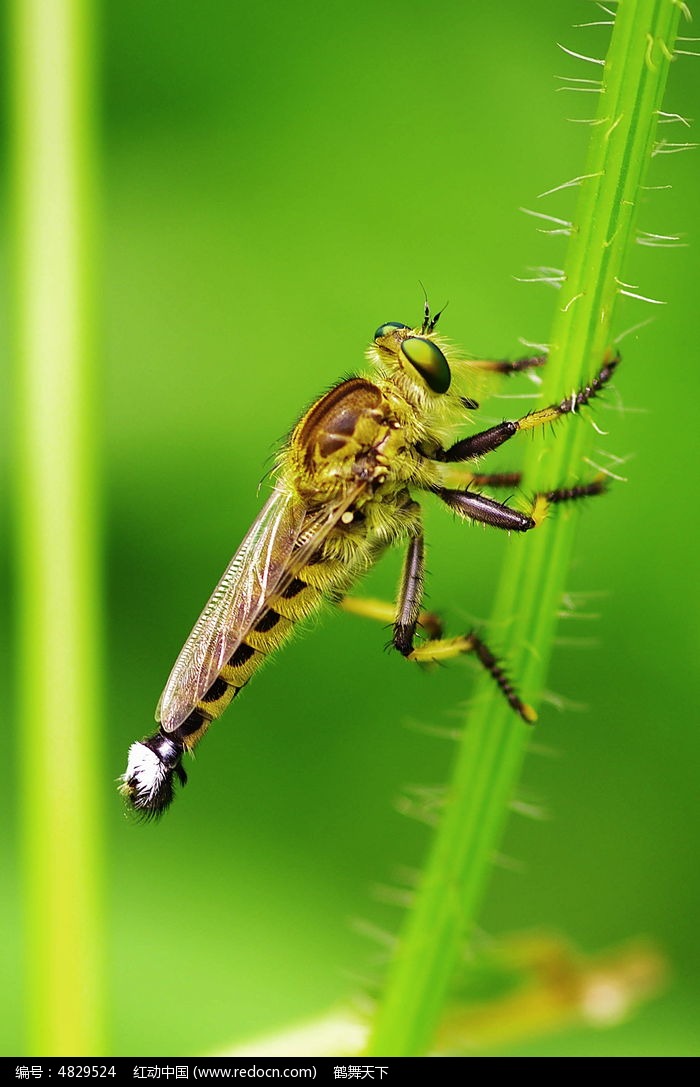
276	180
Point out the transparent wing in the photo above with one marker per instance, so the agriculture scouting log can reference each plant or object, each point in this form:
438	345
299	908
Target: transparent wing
281	542
249	579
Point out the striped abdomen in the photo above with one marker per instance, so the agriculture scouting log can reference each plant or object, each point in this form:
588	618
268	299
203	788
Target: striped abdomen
148	783
298	600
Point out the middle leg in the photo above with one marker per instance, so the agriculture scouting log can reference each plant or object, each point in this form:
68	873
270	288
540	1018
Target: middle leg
407	616
474	506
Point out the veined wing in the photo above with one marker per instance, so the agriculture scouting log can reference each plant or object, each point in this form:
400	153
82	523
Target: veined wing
280	542
250	577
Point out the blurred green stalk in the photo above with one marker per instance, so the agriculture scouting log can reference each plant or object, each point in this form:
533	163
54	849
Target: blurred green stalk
57	535
530	592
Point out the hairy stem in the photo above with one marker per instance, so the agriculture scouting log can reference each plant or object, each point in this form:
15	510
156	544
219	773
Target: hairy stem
494	743
57	562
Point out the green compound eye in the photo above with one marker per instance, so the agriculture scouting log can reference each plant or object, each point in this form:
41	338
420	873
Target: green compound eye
384	330
429	361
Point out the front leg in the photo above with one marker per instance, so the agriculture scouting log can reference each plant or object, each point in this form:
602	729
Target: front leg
487	440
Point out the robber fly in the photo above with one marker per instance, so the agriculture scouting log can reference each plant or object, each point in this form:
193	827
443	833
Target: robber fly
344	493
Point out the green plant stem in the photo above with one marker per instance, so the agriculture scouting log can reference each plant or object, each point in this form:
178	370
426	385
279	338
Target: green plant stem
529	595
57	565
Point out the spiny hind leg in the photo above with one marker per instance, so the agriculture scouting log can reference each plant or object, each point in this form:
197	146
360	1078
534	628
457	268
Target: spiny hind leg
556	497
439	648
497	514
442	649
436	648
407	615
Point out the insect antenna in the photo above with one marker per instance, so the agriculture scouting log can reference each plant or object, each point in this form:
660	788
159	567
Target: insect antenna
426	309
429	322
437	317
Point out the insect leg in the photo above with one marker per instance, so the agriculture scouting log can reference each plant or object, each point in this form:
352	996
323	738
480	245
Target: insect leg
438	648
578	490
479	507
464	478
446	648
488	440
369	608
406	615
545	499
410	595
508	366
383	611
